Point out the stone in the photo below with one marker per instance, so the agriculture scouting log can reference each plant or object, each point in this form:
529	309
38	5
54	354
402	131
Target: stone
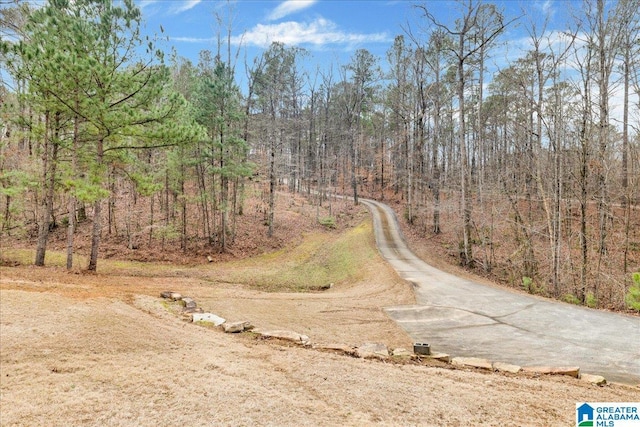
372	350
342	348
474	362
166	294
236	327
401	352
176	296
506	367
593	379
571	371
443	357
207	318
188	302
192	310
287	336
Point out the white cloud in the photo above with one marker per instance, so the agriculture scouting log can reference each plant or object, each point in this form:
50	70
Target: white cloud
319	33
288	7
546	7
145	3
185	5
193	39
154	7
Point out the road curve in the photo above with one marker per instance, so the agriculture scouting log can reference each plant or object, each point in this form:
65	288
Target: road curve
465	318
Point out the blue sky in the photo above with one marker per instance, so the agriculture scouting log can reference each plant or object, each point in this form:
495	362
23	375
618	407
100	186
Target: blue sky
330	30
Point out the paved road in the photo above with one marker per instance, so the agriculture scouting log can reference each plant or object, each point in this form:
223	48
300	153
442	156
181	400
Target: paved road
465	318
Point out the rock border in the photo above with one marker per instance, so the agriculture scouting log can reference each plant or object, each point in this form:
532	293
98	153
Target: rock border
373	351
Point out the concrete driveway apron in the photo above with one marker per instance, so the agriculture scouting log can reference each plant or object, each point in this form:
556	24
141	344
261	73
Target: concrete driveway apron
465	318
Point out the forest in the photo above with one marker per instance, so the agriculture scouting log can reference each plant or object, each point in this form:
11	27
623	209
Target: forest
523	174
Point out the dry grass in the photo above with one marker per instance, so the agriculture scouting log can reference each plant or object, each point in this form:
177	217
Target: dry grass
102	361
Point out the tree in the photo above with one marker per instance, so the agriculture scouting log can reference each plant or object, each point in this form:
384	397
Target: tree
219	111
273	88
435	55
46	43
124	100
472	39
357	104
608	28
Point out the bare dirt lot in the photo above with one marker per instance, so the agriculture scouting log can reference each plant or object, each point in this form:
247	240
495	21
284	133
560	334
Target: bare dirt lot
87	350
105	349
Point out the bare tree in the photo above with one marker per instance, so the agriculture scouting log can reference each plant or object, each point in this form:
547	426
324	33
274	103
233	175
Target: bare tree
472	38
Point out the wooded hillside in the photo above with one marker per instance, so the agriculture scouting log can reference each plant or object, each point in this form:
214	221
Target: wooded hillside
522	172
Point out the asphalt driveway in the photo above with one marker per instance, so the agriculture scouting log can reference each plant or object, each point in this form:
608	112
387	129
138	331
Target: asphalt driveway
465	318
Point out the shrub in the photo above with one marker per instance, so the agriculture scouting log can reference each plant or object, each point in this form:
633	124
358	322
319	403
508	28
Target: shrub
633	294
328	221
591	300
571	299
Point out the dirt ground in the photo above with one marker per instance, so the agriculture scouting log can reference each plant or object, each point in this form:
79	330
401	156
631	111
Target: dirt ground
106	350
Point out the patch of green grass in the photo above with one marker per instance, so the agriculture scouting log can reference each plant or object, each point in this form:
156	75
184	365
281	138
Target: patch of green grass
52	258
319	260
19	256
106	266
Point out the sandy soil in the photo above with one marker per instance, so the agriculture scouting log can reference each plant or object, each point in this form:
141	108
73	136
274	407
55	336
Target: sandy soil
90	350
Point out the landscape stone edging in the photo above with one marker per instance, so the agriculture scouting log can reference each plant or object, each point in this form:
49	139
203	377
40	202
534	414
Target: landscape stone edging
193	313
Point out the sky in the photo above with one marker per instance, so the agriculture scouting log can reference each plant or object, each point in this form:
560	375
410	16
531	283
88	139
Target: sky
330	30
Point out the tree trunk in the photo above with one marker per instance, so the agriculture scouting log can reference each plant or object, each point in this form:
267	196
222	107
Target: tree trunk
71	228
97	217
603	198
435	184
50	162
625	125
73	204
95	235
183	208
354	178
224	221
466	254
272	187
43	226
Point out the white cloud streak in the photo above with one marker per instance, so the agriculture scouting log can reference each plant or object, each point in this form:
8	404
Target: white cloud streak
319	33
185	5
193	39
176	7
546	7
288	7
145	3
